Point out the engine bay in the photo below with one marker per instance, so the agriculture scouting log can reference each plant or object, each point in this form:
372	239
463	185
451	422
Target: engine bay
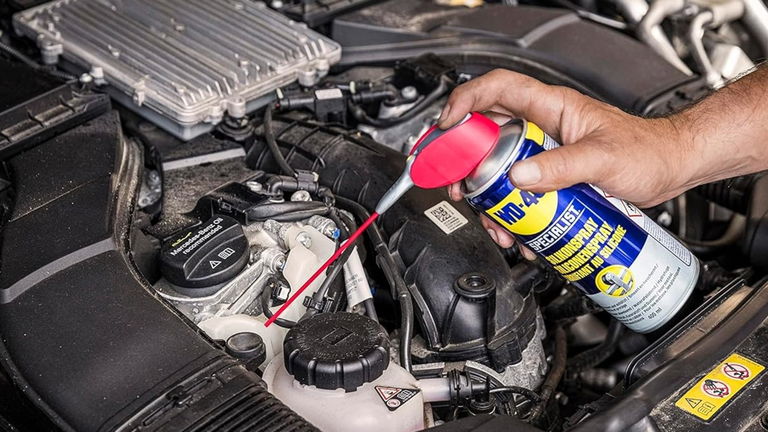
174	170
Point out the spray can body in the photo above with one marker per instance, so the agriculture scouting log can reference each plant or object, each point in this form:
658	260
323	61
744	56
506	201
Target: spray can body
608	248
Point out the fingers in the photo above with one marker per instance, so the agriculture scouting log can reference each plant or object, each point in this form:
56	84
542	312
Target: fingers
497	233
479	94
504	238
498	118
559	168
455	191
509	93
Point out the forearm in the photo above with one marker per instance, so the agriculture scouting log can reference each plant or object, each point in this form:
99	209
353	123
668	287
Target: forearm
726	134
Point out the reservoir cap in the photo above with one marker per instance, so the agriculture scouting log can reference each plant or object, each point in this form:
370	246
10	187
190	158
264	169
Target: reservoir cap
339	350
205	255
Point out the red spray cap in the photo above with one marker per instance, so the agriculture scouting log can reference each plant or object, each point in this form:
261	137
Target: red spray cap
442	157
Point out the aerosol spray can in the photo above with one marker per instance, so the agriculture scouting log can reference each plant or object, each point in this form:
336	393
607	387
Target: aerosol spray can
608	248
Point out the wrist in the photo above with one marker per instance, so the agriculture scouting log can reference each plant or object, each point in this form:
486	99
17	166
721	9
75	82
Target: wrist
687	145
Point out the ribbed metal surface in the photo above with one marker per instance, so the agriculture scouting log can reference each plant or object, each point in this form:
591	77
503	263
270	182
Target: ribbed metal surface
188	60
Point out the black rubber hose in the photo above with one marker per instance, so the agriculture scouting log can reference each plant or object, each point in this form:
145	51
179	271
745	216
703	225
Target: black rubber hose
269	136
370	310
733	193
394	279
529	394
571	307
276	184
287	211
360	115
555	373
594	356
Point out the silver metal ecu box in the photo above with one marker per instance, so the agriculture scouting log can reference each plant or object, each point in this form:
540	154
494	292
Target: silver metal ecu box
180	63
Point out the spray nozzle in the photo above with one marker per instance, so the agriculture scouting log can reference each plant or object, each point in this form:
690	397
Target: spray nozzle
442	157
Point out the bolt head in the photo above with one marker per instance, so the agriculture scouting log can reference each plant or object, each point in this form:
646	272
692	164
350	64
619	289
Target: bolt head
254	186
304	239
409	93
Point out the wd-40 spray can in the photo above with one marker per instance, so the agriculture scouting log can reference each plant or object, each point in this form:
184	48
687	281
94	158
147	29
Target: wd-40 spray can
614	253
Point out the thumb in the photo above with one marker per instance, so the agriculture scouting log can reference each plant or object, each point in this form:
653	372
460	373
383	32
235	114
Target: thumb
560	167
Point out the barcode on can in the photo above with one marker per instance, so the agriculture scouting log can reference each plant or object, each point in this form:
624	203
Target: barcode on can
446	217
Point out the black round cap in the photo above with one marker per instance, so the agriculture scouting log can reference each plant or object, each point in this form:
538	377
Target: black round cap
248	347
336	350
474	286
205	255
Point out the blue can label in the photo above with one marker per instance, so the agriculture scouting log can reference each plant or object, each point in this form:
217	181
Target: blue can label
608	248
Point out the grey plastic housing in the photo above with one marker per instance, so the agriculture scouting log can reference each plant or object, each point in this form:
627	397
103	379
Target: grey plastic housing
180	63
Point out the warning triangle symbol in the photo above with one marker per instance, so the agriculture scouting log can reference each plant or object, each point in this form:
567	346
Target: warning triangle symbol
386	393
214	264
693	402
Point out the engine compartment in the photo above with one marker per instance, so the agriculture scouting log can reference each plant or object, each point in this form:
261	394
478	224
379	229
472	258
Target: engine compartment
183	233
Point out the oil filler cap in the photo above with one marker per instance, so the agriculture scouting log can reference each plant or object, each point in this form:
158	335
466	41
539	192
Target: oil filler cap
206	255
339	350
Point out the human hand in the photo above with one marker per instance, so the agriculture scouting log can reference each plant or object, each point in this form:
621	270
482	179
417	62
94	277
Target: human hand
645	161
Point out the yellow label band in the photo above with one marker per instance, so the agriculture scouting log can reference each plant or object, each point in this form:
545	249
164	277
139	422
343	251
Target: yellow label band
719	386
534	133
524	212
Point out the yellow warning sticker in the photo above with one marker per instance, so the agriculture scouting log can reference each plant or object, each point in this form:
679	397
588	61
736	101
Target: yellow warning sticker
719	386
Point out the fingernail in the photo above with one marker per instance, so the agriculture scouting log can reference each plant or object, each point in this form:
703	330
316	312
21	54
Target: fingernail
493	235
450	190
444	113
455	192
525	173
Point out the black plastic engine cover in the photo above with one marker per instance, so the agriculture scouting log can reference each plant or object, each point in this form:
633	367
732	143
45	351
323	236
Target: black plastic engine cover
551	44
493	324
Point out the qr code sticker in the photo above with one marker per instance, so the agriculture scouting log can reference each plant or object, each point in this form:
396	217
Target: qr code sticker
446	217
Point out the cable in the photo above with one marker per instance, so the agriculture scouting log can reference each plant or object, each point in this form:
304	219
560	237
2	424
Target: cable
336	267
331	276
370	308
529	394
555	373
394	279
18	55
268	313
269	136
360	115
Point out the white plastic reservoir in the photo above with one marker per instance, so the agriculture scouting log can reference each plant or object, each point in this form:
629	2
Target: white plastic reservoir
335	372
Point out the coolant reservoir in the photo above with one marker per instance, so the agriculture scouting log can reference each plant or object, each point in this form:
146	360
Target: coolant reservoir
335	372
